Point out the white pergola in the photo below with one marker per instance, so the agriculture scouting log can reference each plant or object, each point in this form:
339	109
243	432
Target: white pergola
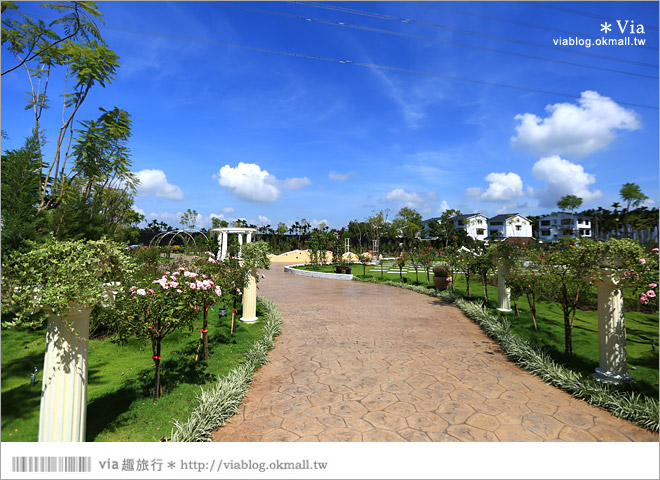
250	290
223	234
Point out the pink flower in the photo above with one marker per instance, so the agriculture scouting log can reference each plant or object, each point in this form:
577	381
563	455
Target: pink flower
141	291
151	291
642	261
238	290
650	294
655	250
218	291
653	285
643	299
197	308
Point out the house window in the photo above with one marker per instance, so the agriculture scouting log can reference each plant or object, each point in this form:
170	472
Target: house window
496	223
480	231
545	233
545	223
566	221
493	233
518	228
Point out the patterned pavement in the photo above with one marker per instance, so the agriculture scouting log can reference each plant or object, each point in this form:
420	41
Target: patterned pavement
367	362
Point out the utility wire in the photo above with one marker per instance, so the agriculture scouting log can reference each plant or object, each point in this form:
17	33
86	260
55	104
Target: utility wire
429	39
580	12
435	6
361	64
458	30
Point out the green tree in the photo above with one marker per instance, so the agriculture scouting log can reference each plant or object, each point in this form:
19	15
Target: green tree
20	193
565	279
569	202
189	219
444	228
632	194
409	223
85	61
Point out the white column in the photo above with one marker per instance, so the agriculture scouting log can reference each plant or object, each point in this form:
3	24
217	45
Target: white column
249	237
63	413
223	249
612	349
250	299
503	292
240	245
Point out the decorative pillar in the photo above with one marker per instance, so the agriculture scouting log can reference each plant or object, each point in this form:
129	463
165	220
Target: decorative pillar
503	292
240	244
63	412
223	246
612	349
250	299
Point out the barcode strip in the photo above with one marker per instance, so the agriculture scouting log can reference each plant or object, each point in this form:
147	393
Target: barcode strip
51	464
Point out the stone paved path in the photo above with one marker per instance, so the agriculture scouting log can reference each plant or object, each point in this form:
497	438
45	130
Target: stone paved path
366	362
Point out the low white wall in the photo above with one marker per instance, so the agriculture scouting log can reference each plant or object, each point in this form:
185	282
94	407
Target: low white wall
309	273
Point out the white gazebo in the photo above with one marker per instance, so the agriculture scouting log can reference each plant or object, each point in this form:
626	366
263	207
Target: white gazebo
250	290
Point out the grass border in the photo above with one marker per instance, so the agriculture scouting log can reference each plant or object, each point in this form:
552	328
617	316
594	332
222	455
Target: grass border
222	400
639	409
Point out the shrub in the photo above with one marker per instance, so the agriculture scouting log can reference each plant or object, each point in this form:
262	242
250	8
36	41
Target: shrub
440	271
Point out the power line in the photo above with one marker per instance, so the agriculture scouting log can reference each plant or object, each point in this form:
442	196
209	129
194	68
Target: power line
458	30
497	19
362	64
429	39
580	12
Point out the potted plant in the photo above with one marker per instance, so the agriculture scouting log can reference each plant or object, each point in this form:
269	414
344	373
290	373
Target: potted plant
65	279
441	277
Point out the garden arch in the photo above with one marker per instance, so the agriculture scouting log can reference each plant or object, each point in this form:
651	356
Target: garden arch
250	290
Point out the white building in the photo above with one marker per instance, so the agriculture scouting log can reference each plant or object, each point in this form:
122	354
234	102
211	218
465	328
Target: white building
475	225
562	224
509	225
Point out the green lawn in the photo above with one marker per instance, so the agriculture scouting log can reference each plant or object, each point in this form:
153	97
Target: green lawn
121	378
641	328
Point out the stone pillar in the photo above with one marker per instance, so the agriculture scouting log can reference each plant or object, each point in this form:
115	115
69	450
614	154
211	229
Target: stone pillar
240	245
612	349
223	247
503	292
63	413
249	237
250	299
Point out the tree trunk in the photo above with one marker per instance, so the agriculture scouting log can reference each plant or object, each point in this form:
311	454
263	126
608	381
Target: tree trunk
233	316
157	361
515	307
568	333
485	280
531	299
467	282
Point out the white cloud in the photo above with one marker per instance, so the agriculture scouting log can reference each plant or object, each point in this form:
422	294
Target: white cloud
504	187
154	182
400	195
473	192
340	177
315	223
264	220
228	210
249	182
444	206
562	178
576	130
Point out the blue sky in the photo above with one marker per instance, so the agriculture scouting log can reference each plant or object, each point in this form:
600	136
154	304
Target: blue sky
243	133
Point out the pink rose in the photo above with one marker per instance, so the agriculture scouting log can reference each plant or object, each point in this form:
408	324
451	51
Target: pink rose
643	299
650	294
653	285
655	250
151	291
642	261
